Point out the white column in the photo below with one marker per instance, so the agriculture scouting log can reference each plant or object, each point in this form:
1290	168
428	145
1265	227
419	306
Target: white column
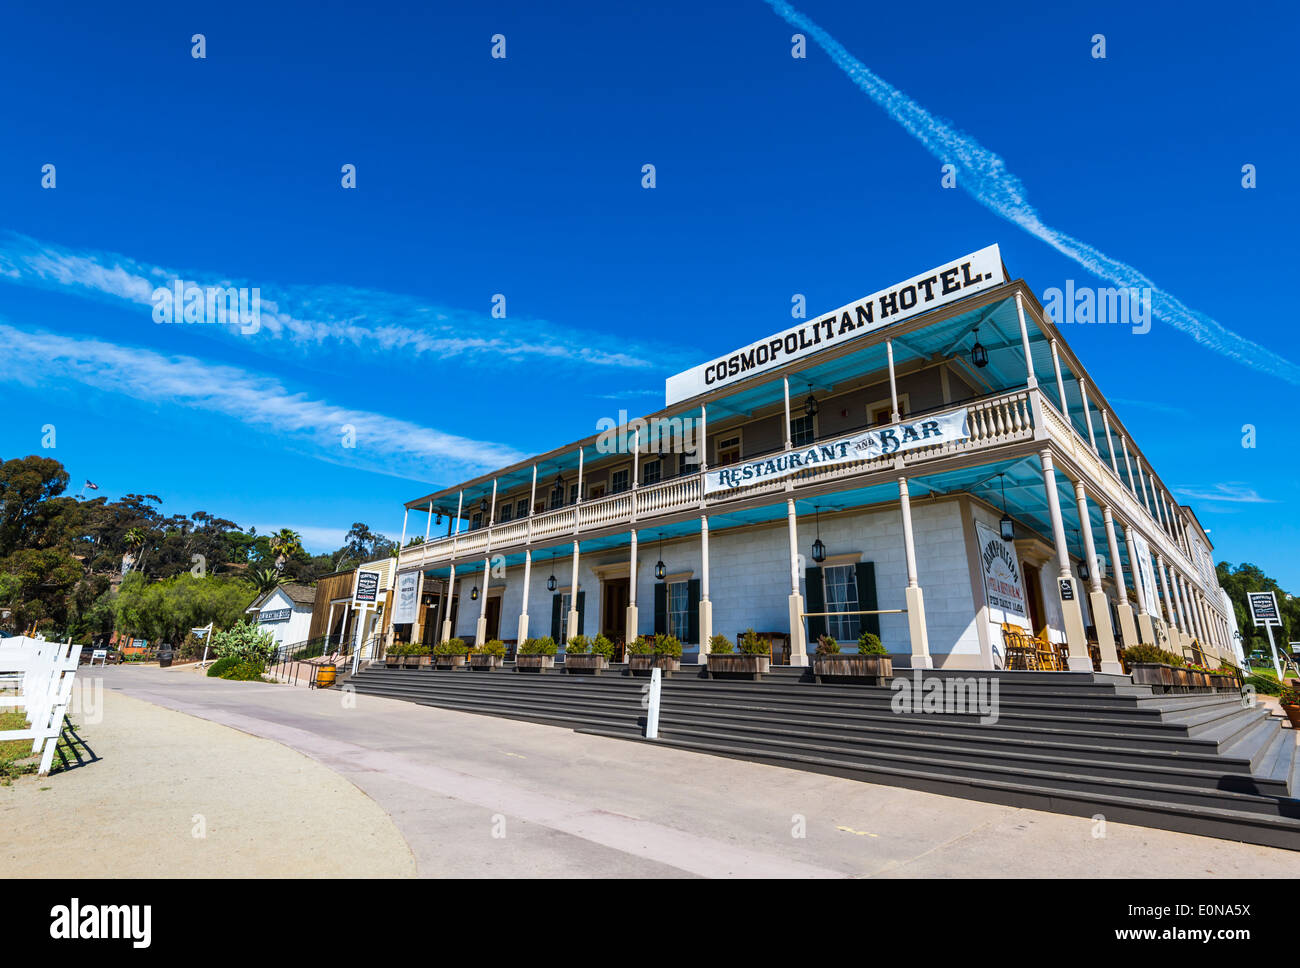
428	523
1066	590
480	629
1097	597
522	633
532	503
636	469
1031	381
1123	446
1087	417
1060	383
893	382
706	606
913	595
1146	628
1127	629
633	620
1142	482
789	444
798	641
1110	443
572	628
1164	592
451	591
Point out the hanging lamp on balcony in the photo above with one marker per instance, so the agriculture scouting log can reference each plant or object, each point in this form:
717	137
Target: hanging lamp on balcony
473	594
811	406
978	354
660	571
551	583
818	549
1008	528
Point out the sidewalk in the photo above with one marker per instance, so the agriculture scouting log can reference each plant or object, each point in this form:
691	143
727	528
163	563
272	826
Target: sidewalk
481	796
169	795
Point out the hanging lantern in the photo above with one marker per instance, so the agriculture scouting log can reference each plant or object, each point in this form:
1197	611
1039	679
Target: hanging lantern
483	505
551	583
1083	565
660	571
978	354
819	549
438	519
473	594
1008	528
811	406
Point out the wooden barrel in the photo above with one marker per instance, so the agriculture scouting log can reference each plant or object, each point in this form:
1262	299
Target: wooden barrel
325	676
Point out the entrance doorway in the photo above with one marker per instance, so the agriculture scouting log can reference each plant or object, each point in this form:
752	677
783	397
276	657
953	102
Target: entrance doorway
615	595
1034	598
493	617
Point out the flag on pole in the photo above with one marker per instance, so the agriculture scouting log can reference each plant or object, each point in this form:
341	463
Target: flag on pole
93	487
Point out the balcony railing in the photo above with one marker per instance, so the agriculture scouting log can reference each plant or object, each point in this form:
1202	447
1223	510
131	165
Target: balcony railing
991	422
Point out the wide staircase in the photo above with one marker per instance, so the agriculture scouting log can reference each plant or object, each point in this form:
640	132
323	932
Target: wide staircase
1083	744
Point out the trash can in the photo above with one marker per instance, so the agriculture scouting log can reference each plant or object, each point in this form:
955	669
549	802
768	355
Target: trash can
164	658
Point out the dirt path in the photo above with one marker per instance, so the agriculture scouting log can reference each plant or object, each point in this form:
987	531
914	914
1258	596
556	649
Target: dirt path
174	796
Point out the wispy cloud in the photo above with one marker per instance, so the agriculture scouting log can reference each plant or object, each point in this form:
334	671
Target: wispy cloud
314	316
983	174
317	427
1164	408
1227	492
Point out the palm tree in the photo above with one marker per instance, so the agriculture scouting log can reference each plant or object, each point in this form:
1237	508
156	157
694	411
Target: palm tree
285	543
135	539
266	578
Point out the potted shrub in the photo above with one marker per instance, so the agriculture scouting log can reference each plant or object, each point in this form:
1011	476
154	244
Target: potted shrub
587	656
488	656
450	654
752	660
406	655
654	652
1150	666
871	662
536	655
1290	699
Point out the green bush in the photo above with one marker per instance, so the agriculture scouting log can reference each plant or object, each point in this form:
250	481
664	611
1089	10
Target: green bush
1265	685
721	645
244	640
408	648
451	647
751	643
1146	652
642	645
827	645
603	646
246	670
543	646
869	644
495	647
668	645
578	645
218	668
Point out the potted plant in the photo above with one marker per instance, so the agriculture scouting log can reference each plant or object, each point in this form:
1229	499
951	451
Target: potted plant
654	652
753	659
488	656
587	656
407	655
1150	665
536	655
1290	699
450	654
871	662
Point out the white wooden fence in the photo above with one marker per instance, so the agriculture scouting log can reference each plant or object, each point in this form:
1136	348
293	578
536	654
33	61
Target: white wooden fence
43	673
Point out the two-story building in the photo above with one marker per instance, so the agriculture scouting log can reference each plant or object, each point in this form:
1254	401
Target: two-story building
931	463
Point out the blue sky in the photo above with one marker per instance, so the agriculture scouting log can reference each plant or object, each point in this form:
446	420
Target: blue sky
522	176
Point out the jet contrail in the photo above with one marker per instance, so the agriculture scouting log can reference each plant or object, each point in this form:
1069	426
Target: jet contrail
983	174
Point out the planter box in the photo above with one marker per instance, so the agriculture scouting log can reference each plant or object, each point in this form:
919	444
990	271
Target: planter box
586	664
486	663
878	668
534	663
1182	677
642	664
1293	714
738	664
1155	674
449	661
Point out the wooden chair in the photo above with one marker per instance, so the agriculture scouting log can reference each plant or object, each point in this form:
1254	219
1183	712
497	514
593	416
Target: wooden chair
1019	651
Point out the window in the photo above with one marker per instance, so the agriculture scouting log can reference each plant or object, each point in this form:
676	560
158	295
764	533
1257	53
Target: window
521	509
618	481
651	471
476	521
573	493
507	511
842	596
729	450
596	491
801	431
881	412
679	618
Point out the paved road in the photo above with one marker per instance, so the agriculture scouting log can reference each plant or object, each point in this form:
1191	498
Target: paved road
480	796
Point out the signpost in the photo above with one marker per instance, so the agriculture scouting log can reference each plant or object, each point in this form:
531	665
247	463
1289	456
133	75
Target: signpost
205	634
1263	611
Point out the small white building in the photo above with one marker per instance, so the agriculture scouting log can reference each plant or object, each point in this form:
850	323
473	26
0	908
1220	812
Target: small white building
285	612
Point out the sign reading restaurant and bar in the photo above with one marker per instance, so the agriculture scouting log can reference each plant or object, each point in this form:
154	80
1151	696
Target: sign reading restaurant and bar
923	432
920	294
1263	609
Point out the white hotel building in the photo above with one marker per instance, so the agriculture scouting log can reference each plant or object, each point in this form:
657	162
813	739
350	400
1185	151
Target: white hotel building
931	462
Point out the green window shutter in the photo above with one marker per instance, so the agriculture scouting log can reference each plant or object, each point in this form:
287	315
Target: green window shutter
555	617
693	610
661	608
582	612
814	601
867	596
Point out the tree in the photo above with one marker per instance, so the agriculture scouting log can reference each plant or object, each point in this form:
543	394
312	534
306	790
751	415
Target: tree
28	485
284	544
1245	578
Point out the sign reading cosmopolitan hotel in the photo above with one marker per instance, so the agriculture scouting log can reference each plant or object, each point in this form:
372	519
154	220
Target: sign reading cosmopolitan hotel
917	295
958	500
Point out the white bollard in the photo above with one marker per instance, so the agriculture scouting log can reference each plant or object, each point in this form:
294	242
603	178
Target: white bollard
652	709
